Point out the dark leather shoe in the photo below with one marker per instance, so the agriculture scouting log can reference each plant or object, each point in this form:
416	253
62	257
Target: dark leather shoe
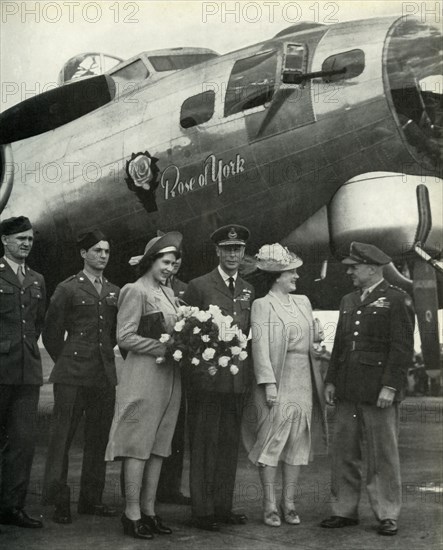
336	522
208	523
388	527
62	514
155	524
102	510
175	498
232	519
135	528
18	517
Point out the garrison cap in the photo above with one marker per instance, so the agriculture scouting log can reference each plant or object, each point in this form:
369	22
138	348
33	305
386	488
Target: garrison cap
230	235
11	226
86	240
362	253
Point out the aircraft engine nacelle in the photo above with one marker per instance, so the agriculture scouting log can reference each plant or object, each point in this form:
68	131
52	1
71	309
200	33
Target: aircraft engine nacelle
392	211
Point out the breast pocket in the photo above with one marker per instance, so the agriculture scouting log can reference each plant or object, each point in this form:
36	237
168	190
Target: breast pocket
83	301
6	298
36	293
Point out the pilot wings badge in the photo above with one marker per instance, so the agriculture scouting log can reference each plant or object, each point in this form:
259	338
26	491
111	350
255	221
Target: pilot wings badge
142	172
381	302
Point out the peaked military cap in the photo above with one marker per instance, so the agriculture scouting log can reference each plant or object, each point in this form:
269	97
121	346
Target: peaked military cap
362	253
18	224
230	235
86	240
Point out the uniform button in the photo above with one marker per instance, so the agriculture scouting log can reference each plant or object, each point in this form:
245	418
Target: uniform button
101	316
234	300
355	333
99	303
23	321
22	291
100	344
81	333
23	307
358	312
100	330
83	301
75	353
235	313
357	322
24	336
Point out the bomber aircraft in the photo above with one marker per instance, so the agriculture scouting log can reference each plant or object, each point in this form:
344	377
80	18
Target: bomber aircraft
318	136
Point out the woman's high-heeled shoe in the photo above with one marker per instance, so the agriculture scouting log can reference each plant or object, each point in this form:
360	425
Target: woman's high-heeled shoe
290	516
272	519
136	528
154	523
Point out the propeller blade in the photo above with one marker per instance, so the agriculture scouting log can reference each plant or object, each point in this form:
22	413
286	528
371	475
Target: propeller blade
426	308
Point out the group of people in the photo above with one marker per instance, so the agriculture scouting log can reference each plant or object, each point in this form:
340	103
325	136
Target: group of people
275	403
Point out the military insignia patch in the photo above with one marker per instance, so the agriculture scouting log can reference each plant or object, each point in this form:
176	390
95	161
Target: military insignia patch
381	302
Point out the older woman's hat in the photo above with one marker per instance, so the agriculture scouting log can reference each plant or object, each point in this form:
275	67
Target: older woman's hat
363	253
230	235
14	225
86	240
169	242
276	258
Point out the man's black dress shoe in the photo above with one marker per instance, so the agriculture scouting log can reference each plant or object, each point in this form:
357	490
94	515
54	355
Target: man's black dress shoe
155	524
135	528
18	517
62	514
232	519
102	510
208	523
335	522
388	527
176	498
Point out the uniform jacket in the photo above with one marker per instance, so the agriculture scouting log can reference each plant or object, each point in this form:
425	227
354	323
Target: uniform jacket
269	350
373	345
210	289
179	287
22	312
86	357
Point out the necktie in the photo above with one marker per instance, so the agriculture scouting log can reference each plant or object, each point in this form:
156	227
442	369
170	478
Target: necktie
364	294
20	275
98	285
231	285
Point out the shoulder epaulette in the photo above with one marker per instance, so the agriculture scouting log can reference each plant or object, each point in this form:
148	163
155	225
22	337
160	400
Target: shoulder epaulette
398	288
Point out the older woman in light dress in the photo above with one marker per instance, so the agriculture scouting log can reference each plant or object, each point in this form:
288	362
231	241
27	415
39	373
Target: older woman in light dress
287	409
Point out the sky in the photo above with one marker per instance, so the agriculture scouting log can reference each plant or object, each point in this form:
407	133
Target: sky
37	38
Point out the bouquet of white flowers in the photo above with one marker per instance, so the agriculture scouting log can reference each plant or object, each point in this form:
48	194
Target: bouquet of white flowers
205	339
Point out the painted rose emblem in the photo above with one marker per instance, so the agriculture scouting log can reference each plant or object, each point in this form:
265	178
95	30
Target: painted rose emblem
142	172
139	169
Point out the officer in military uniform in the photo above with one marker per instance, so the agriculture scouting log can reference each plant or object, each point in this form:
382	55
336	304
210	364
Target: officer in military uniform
215	402
372	352
84	376
22	311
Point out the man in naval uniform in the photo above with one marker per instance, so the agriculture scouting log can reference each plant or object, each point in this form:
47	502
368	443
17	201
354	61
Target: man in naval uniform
84	377
215	402
22	311
372	352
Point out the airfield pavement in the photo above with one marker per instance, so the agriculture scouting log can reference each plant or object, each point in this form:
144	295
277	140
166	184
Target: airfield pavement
420	525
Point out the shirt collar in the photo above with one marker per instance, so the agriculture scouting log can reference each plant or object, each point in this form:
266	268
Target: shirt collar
371	288
92	277
225	276
15	266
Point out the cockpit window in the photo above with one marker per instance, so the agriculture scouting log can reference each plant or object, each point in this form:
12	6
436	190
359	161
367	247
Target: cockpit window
197	109
176	62
252	82
353	61
413	77
133	72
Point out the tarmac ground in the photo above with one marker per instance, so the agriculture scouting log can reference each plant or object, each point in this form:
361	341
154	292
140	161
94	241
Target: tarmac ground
420	525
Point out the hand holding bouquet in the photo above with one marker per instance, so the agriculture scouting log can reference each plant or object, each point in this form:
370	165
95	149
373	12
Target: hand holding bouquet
205	339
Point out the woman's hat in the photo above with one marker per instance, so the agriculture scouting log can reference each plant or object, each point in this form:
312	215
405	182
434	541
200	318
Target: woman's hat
169	242
275	258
